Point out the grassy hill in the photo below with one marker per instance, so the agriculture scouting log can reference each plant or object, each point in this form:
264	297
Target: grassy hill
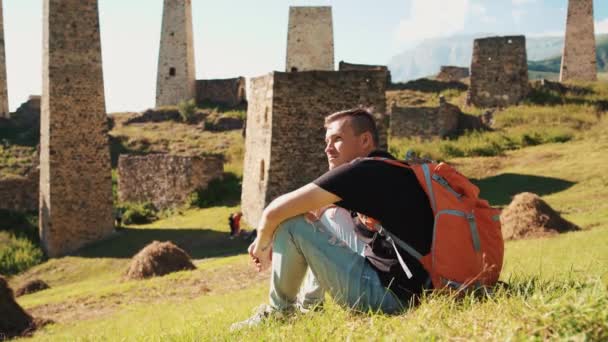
556	288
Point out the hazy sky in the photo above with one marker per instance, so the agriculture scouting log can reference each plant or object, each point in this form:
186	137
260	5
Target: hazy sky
248	37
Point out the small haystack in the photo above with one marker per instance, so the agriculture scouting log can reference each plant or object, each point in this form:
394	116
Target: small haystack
529	216
157	259
14	321
31	286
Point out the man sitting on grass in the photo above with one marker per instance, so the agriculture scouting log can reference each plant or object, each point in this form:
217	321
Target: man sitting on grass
290	243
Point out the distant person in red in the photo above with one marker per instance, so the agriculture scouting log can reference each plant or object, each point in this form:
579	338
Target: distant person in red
234	220
237	223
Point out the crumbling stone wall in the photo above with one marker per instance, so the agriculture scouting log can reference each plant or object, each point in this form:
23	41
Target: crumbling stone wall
228	92
449	73
176	73
499	71
579	58
75	174
4	110
310	39
424	122
165	180
20	193
343	66
28	114
285	138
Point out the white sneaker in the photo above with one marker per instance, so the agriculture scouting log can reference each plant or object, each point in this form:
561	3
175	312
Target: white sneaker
261	314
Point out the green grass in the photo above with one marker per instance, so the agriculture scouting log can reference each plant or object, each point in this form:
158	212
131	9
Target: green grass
16	160
556	290
19	242
561	118
557	287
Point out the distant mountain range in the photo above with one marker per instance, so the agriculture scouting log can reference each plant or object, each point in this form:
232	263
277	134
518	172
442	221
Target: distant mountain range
544	54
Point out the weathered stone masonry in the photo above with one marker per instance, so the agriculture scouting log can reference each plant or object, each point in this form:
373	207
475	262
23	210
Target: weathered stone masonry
20	194
579	61
229	92
165	180
424	122
499	71
284	146
176	71
449	73
75	174
310	39
4	111
343	66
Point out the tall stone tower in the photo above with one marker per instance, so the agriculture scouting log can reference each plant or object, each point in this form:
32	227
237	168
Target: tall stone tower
75	171
310	39
176	74
579	58
4	111
499	71
285	138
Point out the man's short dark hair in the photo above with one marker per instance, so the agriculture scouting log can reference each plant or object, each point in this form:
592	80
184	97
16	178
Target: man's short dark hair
361	120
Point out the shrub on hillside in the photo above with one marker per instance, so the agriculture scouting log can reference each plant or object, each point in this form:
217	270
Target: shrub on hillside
224	191
138	213
186	110
20	248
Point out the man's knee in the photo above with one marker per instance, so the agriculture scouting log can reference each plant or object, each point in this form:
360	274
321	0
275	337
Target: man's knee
290	228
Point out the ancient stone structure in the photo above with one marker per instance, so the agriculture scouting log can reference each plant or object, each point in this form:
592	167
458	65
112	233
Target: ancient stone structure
284	145
176	73
28	114
75	174
343	66
4	111
499	71
424	122
165	180
310	39
228	92
450	73
20	193
579	57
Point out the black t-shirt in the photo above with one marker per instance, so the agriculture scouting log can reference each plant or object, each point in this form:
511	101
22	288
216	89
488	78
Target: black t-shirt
393	196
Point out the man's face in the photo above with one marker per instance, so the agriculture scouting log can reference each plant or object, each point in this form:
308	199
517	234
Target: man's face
342	144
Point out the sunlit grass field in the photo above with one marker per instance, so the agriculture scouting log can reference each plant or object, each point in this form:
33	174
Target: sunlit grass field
554	288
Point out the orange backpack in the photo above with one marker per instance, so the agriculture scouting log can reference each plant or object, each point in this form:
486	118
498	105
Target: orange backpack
467	248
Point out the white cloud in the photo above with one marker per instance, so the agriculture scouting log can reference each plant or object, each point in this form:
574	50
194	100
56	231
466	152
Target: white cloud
431	19
601	26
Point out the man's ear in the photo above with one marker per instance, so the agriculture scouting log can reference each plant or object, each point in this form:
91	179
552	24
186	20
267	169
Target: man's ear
367	141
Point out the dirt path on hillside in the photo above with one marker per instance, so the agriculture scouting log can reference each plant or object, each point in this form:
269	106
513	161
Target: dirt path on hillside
217	281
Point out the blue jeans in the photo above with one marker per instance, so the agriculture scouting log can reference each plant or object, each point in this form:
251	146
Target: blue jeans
349	278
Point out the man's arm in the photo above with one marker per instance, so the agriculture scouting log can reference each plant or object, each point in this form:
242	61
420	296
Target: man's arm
300	201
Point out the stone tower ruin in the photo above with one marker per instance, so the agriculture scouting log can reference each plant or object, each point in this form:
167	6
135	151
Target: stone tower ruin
579	57
310	39
75	171
499	71
285	138
176	74
4	111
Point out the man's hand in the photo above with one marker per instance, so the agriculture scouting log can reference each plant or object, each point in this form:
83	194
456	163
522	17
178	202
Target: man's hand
260	255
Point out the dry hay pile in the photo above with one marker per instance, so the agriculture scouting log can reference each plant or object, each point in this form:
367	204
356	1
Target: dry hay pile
31	286
529	216
157	259
14	321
